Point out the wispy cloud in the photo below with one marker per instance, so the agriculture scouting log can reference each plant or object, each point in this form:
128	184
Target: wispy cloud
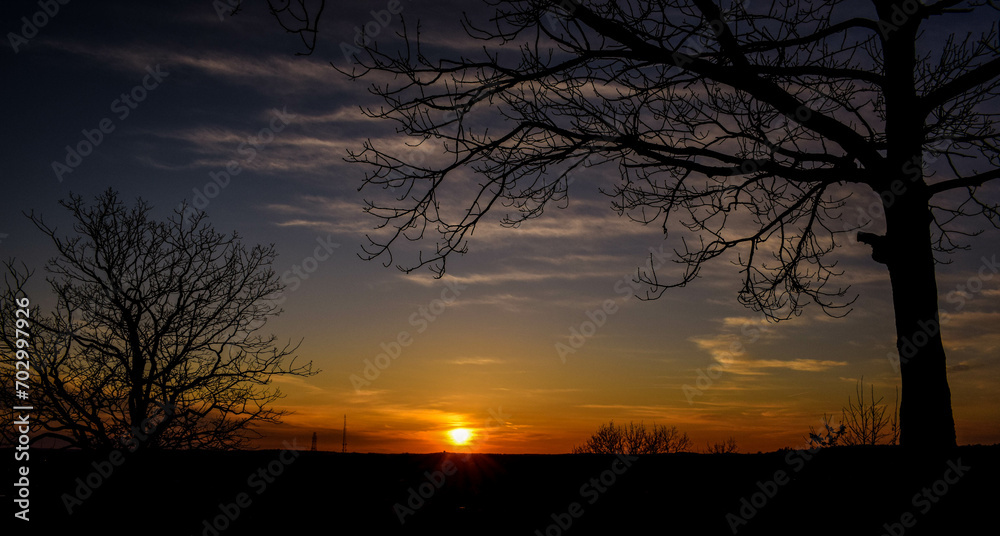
476	361
271	73
729	353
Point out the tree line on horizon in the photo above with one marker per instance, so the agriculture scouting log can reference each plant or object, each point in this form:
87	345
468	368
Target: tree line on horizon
863	422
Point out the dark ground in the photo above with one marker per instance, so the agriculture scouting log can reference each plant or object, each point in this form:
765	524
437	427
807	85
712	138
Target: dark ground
839	491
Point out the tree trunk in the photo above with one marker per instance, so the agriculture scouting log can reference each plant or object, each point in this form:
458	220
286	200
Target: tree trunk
925	417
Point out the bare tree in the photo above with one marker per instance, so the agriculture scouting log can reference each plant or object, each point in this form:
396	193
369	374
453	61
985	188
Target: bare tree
867	422
739	127
634	439
153	338
726	447
862	423
608	439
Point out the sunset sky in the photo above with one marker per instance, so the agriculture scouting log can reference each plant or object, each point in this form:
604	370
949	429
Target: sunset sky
486	360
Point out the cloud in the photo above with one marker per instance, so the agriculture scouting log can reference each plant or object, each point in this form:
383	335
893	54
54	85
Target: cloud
325	226
285	152
963	366
339	116
505	301
729	352
476	361
298	383
267	73
805	365
507	276
971	331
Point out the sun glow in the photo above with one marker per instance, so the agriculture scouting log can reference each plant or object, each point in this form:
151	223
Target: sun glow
460	436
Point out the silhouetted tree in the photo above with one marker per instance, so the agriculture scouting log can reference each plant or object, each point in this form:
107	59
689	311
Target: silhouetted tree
862	422
739	127
726	447
153	337
634	439
867	422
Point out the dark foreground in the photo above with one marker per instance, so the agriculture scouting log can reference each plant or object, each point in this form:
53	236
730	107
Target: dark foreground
841	491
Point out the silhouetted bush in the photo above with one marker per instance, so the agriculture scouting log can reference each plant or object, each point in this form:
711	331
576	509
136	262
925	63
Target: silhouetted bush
726	447
635	439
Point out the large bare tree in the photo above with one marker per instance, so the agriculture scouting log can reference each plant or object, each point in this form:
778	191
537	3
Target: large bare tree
152	337
740	127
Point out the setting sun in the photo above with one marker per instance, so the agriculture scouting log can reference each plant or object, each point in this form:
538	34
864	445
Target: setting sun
460	436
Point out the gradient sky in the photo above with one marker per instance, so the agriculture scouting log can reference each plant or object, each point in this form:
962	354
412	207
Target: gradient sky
488	359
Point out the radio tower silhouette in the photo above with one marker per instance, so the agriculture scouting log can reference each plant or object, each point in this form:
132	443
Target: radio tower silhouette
344	448
314	443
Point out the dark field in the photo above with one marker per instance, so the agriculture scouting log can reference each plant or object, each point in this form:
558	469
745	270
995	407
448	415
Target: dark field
840	491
